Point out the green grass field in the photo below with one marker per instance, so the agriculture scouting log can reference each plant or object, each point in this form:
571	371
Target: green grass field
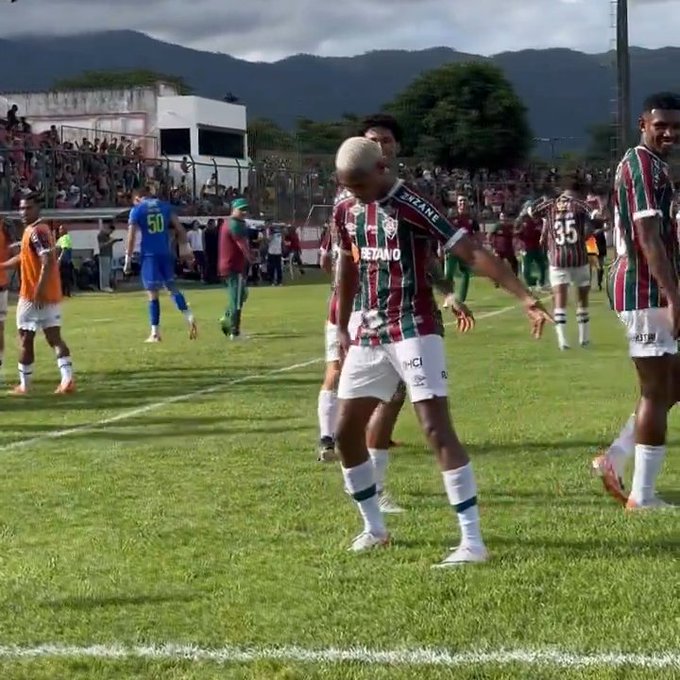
176	500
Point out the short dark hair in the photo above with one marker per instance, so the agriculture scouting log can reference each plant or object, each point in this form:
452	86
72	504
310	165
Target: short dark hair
32	198
381	120
573	184
663	101
141	192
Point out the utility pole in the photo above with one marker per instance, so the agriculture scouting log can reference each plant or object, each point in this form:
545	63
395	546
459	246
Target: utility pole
622	76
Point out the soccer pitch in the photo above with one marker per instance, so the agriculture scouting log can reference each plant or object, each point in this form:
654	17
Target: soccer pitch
170	520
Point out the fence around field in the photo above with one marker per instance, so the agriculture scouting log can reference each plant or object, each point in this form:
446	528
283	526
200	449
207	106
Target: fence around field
277	187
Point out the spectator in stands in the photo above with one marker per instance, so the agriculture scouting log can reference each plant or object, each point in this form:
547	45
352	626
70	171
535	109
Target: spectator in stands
12	118
106	242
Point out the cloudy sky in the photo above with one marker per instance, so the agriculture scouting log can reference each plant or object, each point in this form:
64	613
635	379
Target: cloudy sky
271	29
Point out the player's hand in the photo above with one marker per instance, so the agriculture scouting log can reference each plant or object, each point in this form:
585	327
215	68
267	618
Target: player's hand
345	342
186	255
465	320
674	314
538	316
127	266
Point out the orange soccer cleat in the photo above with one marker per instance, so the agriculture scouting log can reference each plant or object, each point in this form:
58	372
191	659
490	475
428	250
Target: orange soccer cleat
66	388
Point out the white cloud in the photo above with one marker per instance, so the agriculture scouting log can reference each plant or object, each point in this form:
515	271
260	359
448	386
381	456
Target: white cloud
268	30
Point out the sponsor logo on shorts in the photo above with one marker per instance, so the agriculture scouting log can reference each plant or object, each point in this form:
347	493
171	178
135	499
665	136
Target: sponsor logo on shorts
645	338
418	381
408	364
445	375
380	254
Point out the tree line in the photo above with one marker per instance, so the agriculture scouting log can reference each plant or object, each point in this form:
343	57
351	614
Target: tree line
463	115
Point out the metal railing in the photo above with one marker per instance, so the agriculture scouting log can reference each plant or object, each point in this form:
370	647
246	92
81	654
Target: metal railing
76	135
72	178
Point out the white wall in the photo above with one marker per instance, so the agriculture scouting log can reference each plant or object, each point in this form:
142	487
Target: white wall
183	112
131	112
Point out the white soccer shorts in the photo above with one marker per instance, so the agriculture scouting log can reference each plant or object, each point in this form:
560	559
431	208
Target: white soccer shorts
32	318
377	371
332	343
4	303
576	276
649	332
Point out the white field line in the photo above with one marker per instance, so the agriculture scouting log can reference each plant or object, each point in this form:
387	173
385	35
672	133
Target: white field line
400	657
187	396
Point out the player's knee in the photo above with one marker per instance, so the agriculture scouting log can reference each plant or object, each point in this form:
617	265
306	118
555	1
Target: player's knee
439	433
348	435
330	381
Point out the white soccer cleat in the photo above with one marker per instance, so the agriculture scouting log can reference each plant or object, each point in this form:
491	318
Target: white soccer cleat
464	554
366	541
387	505
154	337
655	503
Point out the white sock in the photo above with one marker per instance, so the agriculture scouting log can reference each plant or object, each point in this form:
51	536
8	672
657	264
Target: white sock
155	330
560	316
25	375
360	482
65	368
327	410
648	462
583	318
623	447
380	458
188	315
461	490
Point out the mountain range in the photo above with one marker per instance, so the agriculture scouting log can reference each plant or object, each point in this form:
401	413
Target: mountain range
565	91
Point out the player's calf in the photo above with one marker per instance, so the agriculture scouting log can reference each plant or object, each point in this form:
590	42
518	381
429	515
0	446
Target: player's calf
358	470
458	478
656	393
327	412
64	362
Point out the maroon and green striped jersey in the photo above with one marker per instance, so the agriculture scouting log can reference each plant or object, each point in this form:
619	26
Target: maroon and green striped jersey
642	188
566	223
392	240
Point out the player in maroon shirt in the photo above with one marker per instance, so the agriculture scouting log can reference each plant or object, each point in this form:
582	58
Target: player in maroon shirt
455	269
503	242
385	131
386	231
566	226
529	231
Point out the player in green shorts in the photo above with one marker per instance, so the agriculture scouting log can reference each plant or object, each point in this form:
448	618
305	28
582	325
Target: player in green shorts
234	257
455	270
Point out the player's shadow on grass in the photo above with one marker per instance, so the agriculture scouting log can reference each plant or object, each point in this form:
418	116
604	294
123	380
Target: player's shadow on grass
94	602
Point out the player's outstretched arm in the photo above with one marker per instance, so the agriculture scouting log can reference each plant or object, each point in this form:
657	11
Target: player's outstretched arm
487	264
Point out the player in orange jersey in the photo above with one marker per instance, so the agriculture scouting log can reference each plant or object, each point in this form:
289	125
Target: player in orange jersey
39	306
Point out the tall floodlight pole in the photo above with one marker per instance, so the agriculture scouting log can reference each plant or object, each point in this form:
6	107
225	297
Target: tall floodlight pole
622	76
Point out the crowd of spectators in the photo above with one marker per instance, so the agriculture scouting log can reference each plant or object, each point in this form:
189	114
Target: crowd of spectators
104	171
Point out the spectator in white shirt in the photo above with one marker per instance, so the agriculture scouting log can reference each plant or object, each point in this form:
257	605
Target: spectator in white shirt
275	255
196	241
